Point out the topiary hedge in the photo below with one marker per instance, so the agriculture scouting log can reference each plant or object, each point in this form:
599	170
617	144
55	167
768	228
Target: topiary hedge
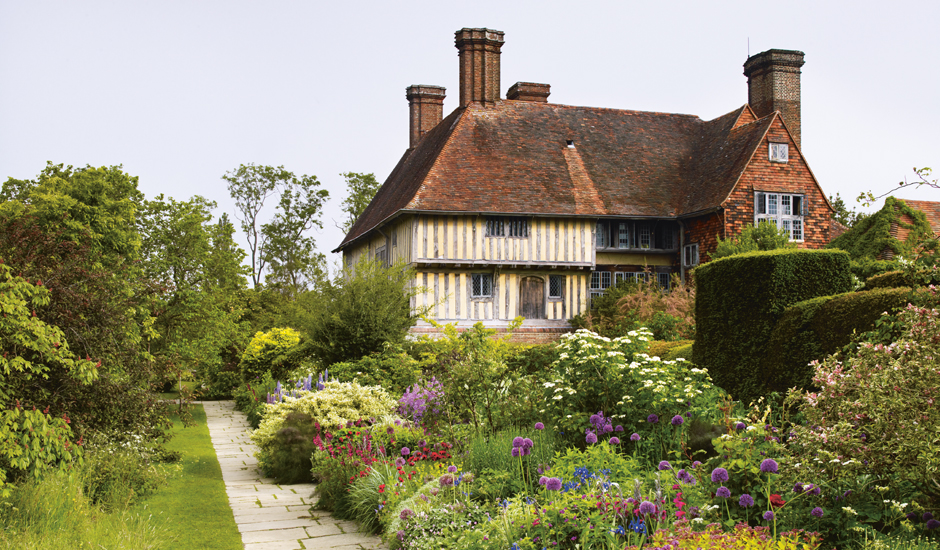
739	300
891	279
813	329
679	352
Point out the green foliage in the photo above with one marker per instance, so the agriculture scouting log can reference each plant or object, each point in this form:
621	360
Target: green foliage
392	368
842	214
812	329
531	359
765	236
358	312
628	306
264	350
660	348
889	279
871	236
361	188
251	398
289	460
879	406
491	455
115	478
601	457
866	267
335	405
741	298
279	244
683	351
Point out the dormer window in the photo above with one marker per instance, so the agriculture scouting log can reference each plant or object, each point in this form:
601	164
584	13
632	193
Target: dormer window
779	152
507	227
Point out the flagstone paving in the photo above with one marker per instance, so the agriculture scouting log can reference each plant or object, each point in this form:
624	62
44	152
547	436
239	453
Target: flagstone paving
272	516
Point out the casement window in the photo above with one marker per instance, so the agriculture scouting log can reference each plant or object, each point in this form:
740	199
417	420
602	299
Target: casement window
600	280
779	152
628	234
394	238
481	285
663	280
629	277
381	256
507	227
690	255
783	210
556	287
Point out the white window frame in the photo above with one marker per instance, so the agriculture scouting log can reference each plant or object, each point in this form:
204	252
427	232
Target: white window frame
778	152
485	283
786	210
690	255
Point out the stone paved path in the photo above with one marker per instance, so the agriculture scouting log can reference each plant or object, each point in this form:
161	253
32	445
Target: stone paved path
271	516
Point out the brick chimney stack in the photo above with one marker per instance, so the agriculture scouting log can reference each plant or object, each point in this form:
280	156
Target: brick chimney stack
773	84
479	65
529	91
426	110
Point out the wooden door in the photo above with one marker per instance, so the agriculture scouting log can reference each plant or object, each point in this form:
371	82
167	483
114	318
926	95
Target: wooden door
532	298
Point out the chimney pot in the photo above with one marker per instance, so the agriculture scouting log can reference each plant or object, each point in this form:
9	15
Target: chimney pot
529	91
426	110
773	84
479	65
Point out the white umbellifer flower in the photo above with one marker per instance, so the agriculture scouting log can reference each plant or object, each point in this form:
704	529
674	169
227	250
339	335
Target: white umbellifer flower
698	520
549	384
849	510
557	397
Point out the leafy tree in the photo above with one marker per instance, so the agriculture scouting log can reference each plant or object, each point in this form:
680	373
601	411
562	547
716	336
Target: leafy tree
764	236
199	274
842	214
281	241
362	189
358	311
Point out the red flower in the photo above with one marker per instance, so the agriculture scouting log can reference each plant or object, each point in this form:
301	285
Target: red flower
776	501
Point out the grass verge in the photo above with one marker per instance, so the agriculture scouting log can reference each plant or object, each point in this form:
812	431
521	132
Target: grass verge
194	502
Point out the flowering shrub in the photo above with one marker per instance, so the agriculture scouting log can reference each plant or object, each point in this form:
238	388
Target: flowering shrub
335	405
392	368
594	373
879	406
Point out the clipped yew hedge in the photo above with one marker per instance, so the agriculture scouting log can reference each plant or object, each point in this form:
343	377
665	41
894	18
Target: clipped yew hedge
740	299
889	279
813	329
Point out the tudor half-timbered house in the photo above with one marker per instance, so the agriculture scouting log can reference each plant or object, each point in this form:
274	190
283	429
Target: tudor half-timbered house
520	207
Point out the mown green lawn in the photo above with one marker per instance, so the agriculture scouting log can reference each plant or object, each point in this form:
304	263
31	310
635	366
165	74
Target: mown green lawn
194	503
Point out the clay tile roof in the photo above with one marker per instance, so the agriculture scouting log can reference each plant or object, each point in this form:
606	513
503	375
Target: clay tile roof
514	158
930	209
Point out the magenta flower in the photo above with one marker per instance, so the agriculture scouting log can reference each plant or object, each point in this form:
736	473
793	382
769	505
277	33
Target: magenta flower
591	438
817	512
452	469
635	437
539	426
405	451
553	484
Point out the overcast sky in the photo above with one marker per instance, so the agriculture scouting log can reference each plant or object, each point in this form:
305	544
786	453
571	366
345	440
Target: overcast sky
181	92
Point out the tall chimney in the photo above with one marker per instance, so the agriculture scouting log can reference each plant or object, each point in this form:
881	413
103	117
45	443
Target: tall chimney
773	84
426	110
479	65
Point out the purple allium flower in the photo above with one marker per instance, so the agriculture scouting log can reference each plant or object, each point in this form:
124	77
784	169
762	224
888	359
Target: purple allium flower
746	501
390	430
539	426
696	464
406	513
798	488
553	484
422	443
927	516
652	419
542	480
933	524
635	437
405	451
446	480
618	428
647	508
608	428
723	492
677	420
768	515
615	440
525	451
452	469
591	438
517	441
815	491
399	462
911	516
740	426
665	465
817	512
719	475
768	466
515	452
595	419
527	443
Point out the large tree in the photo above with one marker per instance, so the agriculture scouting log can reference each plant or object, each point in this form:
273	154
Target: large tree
282	243
362	189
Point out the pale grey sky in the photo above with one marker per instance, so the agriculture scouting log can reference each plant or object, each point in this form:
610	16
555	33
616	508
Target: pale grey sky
180	92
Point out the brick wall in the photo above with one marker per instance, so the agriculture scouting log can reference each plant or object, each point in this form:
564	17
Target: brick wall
793	176
704	231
